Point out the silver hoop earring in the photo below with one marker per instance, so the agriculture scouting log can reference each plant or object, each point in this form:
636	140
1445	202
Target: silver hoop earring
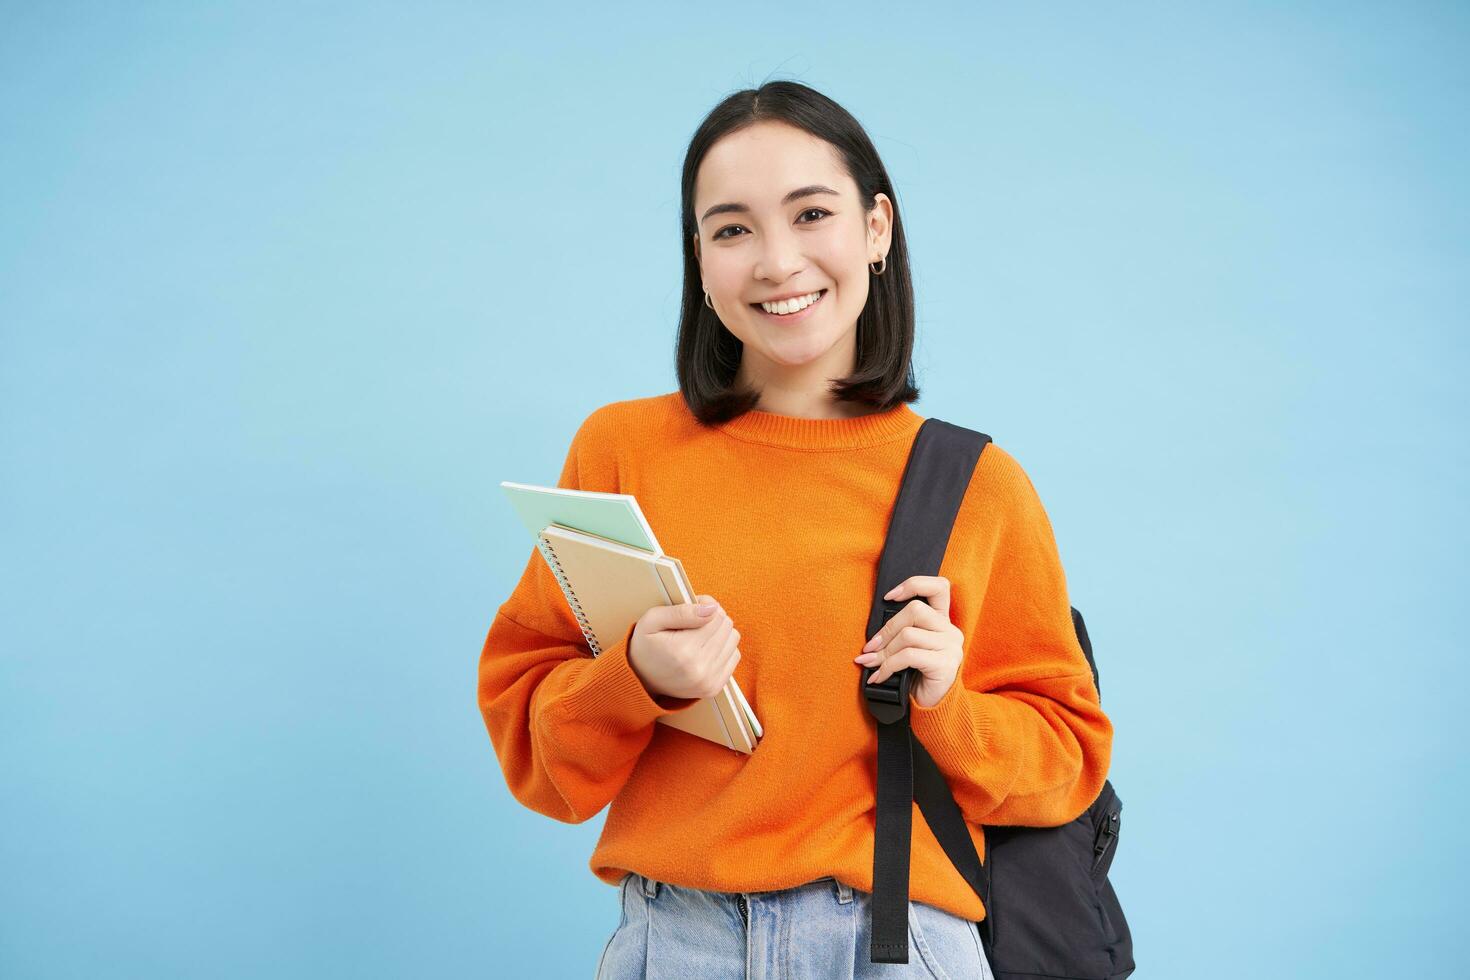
882	265
706	300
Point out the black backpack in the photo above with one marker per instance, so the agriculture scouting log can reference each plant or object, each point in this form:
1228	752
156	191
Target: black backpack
1050	910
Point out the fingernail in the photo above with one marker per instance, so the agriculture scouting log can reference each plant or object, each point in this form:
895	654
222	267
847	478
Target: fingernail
705	608
868	648
889	594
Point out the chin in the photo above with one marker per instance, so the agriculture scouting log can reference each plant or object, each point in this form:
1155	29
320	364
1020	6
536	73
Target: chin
797	353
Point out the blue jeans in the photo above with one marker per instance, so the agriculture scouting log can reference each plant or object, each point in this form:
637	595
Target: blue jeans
811	932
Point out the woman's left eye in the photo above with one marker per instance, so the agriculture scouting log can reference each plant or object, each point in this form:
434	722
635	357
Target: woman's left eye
817	211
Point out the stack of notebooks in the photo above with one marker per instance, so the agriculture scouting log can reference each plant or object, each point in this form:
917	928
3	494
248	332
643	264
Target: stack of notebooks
611	570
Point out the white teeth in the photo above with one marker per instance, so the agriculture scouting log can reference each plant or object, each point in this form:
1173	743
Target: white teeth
792	305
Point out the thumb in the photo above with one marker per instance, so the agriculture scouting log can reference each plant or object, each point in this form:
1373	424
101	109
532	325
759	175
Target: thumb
690	615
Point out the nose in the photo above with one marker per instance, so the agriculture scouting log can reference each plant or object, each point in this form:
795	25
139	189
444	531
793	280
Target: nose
780	257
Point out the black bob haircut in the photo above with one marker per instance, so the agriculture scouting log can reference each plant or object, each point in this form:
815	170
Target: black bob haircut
707	355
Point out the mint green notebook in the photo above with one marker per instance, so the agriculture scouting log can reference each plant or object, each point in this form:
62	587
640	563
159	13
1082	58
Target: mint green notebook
609	515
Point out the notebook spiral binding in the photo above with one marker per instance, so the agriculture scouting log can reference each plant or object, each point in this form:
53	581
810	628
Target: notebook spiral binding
566	588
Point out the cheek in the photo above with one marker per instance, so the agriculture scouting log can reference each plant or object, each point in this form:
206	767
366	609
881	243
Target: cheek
852	283
721	275
843	257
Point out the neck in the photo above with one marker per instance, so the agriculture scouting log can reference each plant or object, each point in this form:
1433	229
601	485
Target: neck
802	391
805	403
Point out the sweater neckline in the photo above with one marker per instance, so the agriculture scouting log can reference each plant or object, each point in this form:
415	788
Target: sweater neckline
795	432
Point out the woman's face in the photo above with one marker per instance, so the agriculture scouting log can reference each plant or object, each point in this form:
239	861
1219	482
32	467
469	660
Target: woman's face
779	218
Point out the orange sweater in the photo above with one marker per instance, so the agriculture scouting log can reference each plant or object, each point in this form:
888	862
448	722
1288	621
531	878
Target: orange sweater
782	519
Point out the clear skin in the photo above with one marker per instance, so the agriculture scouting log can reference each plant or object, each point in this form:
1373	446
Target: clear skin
774	249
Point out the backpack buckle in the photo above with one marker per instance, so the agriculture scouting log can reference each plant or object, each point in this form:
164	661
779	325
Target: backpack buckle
889	700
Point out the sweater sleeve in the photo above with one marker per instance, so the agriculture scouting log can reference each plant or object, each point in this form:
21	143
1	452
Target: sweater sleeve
1020	735
567	727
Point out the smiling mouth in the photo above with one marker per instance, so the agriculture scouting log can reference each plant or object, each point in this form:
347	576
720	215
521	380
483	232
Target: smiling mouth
821	294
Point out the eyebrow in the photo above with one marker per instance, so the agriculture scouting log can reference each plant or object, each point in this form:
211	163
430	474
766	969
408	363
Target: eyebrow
797	194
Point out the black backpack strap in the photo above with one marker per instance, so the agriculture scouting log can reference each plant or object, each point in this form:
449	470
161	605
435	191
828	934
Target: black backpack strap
935	478
1080	628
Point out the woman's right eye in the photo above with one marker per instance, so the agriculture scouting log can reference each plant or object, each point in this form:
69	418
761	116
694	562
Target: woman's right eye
721	233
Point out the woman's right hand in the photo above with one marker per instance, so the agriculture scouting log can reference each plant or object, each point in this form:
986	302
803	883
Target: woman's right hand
679	652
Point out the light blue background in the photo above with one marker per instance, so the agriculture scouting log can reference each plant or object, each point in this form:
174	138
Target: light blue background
282	292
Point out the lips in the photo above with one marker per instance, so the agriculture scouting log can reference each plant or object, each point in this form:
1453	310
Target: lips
821	295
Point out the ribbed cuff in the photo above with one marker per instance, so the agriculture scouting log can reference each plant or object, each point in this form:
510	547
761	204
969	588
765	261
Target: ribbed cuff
956	730
610	697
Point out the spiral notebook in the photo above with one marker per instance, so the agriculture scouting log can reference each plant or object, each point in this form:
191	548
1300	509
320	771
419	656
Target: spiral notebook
610	582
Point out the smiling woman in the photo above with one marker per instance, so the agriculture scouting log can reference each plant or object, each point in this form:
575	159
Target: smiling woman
797	297
772	473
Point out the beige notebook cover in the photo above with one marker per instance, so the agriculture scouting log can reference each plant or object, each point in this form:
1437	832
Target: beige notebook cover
609	585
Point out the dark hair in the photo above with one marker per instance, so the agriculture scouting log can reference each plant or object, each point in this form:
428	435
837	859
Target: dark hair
707	355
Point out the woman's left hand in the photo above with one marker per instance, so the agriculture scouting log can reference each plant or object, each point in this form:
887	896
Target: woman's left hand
921	636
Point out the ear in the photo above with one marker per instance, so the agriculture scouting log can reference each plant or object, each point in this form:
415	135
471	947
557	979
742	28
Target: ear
880	227
696	249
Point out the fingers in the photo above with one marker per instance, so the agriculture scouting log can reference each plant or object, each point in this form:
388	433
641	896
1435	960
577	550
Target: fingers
911	647
710	649
732	657
723	652
909	657
725	634
687	615
934	589
916	613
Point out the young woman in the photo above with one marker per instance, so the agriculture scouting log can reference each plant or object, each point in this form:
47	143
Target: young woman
771	474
